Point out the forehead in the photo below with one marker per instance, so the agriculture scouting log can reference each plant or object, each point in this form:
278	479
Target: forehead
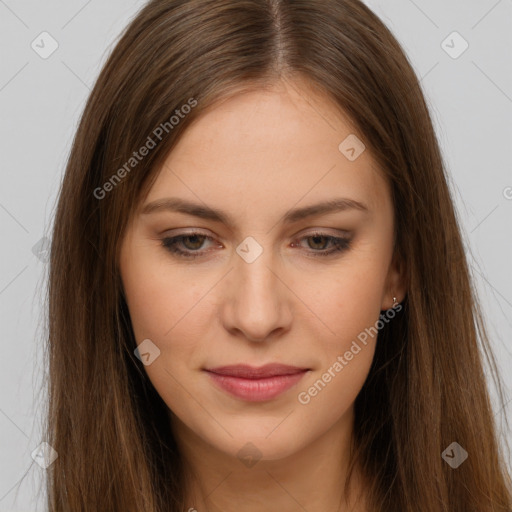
270	149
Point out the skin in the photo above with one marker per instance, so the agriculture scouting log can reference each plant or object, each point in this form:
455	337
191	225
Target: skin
255	156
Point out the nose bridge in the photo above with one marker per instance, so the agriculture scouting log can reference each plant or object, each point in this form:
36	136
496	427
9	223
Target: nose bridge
258	276
253	269
257	303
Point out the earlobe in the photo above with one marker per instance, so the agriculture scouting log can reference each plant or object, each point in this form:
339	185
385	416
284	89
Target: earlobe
396	288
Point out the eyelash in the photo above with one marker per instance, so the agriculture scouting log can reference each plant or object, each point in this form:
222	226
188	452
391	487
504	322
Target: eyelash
170	244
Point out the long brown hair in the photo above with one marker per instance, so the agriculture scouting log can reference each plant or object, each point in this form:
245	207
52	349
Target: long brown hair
426	387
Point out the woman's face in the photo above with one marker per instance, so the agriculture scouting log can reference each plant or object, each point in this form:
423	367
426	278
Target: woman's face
267	275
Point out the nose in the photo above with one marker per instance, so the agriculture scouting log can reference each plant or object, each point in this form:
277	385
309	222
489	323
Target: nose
257	302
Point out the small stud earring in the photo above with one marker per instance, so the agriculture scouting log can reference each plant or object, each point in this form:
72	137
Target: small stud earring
395	303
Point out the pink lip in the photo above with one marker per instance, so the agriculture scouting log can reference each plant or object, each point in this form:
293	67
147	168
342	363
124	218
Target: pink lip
256	384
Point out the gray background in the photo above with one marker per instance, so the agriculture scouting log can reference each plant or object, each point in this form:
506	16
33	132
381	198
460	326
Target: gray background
40	102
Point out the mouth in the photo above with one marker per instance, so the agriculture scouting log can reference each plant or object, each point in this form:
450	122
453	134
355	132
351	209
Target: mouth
256	384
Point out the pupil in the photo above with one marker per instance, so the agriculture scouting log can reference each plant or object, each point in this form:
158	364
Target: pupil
316	238
196	238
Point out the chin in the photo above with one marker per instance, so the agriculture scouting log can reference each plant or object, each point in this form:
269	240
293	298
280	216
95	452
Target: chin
257	445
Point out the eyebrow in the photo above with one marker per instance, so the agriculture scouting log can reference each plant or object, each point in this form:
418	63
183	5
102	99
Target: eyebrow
174	204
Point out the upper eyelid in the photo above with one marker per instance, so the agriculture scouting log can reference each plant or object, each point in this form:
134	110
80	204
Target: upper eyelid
334	239
322	231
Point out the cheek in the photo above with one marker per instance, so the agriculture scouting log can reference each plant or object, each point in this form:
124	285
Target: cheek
346	299
349	305
329	395
166	309
160	301
352	314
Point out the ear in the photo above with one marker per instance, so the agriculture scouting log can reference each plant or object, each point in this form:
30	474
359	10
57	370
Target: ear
395	282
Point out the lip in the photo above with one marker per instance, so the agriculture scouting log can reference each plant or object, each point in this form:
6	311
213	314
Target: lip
256	384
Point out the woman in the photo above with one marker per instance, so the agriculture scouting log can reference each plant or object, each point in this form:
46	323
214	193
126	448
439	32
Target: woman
272	307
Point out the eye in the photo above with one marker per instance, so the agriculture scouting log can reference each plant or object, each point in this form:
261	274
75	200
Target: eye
318	241
190	245
192	242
